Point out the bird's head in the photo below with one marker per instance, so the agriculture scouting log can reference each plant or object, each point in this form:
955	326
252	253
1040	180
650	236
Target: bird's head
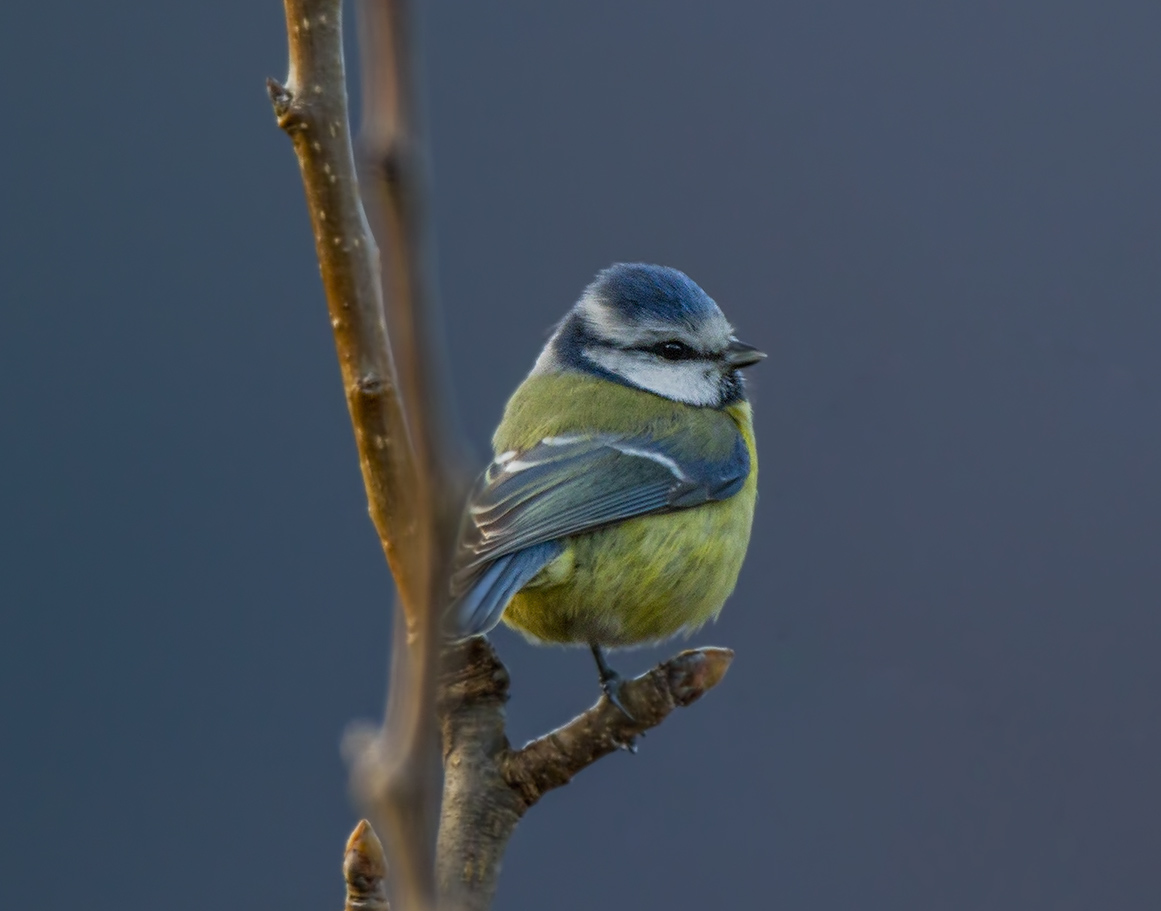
652	328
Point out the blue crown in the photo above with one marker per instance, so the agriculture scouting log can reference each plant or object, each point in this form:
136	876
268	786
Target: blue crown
640	291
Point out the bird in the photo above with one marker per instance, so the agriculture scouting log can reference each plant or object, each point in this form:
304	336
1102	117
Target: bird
617	509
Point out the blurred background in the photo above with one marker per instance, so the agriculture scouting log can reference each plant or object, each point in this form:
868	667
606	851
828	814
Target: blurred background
942	220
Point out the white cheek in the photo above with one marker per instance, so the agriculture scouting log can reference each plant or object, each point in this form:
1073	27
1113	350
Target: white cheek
692	382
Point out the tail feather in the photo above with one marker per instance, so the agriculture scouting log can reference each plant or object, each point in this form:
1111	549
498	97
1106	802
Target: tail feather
480	608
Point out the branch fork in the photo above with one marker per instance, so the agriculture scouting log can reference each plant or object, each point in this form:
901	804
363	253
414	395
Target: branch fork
489	786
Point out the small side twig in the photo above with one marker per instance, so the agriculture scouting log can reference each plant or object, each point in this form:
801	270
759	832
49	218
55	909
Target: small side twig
365	870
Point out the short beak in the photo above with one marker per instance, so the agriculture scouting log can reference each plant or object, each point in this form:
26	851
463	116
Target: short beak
739	354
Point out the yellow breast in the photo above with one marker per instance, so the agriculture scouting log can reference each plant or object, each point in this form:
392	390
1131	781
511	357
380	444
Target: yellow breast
645	579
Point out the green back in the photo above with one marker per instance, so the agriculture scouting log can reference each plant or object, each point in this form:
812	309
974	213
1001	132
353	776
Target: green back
563	403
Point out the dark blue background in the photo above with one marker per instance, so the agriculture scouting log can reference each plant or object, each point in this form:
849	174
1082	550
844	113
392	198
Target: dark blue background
942	219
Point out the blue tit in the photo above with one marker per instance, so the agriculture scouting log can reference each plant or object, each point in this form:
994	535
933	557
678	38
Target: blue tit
617	509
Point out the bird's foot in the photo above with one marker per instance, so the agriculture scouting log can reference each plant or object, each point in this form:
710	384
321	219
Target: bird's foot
611	683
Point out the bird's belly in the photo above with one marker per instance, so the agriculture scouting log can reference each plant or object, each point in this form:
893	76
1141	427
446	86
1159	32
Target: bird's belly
639	581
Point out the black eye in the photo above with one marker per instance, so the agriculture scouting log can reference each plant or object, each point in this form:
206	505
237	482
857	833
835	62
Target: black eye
673	350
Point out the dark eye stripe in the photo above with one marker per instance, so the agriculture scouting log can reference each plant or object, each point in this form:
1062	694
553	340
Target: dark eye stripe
672	350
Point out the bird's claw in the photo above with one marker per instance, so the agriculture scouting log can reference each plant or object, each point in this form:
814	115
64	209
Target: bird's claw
611	684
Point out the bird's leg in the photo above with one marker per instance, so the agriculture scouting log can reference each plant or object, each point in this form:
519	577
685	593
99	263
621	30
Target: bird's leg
610	680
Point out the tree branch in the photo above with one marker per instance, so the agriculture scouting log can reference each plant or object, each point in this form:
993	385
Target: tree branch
552	760
479	811
488	786
398	780
392	169
312	108
396	776
393	174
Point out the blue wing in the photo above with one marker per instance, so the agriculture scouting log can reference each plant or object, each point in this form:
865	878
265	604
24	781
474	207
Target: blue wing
526	502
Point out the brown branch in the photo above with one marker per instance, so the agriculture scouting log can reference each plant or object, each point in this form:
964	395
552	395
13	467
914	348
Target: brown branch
552	760
396	776
480	811
392	170
488	786
365	870
312	108
399	780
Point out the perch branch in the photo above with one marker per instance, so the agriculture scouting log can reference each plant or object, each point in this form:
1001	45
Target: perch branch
552	760
488	786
